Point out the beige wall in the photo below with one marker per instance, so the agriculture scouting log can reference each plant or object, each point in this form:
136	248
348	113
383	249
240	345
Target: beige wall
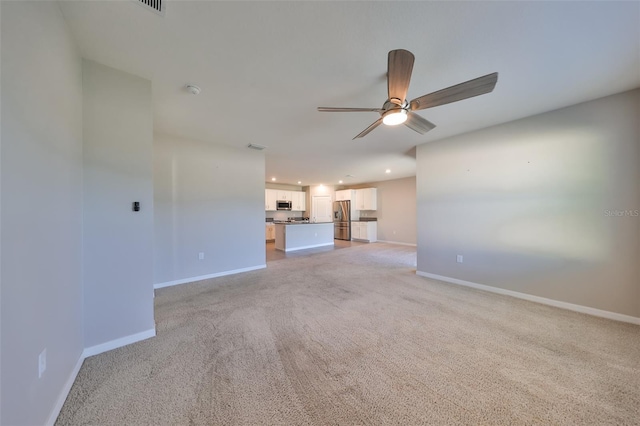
547	205
396	209
284	187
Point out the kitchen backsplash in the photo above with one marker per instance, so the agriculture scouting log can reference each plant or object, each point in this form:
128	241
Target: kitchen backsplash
281	216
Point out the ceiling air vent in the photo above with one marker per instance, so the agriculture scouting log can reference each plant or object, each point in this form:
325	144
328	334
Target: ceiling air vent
256	147
157	6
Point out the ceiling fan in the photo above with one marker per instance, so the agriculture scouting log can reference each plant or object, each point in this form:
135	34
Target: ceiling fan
397	110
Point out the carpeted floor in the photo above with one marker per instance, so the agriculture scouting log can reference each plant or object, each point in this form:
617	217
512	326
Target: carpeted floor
354	337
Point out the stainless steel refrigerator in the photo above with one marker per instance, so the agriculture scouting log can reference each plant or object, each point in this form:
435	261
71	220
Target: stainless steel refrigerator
342	220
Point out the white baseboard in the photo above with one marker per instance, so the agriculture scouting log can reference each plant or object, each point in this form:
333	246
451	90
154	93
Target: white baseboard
206	277
551	302
396	242
117	343
308	247
86	353
64	392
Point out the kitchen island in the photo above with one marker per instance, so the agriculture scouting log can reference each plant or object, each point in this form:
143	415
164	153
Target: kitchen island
303	235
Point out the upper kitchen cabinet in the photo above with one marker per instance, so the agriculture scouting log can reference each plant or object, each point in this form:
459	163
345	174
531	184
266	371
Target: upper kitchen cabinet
284	195
366	199
346	195
299	201
270	197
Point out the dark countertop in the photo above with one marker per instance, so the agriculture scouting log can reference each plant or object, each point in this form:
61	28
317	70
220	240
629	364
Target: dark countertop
272	220
303	223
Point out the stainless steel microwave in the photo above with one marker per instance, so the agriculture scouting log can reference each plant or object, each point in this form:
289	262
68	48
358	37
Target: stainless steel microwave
283	205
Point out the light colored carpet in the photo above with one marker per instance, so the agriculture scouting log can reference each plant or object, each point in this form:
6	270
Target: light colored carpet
354	337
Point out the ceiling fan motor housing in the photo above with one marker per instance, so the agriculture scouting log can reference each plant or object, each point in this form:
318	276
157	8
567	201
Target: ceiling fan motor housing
394	104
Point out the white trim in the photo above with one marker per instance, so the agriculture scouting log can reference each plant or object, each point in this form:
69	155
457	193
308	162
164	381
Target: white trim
117	343
206	277
396	242
551	302
64	392
308	247
86	353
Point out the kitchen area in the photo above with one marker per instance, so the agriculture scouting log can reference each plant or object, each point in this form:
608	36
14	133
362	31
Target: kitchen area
291	224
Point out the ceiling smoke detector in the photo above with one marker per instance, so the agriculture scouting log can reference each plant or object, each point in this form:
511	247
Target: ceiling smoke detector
193	89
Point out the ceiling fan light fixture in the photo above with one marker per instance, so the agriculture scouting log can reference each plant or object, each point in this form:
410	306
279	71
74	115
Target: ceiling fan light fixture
394	117
396	108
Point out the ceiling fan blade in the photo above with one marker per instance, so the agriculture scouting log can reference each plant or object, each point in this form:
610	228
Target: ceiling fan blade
419	124
370	128
399	67
468	89
333	109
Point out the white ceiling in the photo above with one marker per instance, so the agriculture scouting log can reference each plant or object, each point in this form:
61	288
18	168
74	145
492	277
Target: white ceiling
265	66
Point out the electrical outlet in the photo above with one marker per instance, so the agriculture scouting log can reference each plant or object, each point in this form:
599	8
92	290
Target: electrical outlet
459	258
201	256
42	362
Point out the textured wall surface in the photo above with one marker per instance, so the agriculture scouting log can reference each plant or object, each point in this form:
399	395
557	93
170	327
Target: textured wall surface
547	205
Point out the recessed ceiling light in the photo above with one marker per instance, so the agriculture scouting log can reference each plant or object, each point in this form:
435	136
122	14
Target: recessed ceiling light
273	179
388	171
339	181
299	182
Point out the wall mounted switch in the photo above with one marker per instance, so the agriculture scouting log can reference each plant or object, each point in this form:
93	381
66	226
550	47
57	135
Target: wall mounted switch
459	258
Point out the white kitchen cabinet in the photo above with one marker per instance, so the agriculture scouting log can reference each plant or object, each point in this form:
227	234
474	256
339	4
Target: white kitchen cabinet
364	231
366	199
355	230
299	201
284	195
270	197
270	231
346	195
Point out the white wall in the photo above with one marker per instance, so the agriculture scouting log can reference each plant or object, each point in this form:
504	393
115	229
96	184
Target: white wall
118	242
209	198
547	205
41	219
